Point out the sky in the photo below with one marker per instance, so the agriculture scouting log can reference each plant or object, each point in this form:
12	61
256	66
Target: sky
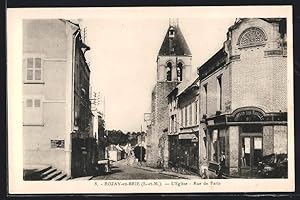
123	60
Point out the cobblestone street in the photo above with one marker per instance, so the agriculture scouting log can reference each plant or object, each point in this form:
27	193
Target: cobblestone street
122	171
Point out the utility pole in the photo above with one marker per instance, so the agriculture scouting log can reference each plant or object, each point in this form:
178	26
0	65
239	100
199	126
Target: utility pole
141	146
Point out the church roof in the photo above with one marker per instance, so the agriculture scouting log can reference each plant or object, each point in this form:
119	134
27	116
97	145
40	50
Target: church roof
177	42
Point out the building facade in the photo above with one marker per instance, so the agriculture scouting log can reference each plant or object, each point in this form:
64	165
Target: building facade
173	66
102	138
184	126
243	97
56	94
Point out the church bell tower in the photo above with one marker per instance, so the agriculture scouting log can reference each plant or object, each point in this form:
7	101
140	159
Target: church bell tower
174	58
173	67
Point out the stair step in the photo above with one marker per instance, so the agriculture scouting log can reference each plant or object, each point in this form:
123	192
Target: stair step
66	178
59	177
34	172
46	173
52	175
44	170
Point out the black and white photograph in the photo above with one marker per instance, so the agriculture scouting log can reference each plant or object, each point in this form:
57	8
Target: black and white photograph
131	100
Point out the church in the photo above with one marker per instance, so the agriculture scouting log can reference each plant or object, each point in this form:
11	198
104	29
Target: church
174	63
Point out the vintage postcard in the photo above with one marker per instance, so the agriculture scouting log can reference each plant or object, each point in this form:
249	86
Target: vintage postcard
150	100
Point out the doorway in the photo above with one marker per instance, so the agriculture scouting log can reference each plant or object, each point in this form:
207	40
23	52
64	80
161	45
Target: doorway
251	153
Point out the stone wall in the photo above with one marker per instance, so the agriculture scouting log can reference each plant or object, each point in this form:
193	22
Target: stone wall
160	121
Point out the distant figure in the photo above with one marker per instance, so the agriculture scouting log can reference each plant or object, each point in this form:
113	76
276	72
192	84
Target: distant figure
221	165
130	158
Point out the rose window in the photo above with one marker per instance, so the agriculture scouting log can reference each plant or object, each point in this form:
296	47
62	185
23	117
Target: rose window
252	37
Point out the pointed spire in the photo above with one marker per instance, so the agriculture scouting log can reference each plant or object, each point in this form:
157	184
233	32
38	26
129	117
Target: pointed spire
174	42
173	22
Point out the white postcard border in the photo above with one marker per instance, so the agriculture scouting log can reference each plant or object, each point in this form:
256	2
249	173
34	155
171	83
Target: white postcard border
15	146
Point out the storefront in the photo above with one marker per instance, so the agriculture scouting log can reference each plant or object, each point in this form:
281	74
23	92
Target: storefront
184	150
245	136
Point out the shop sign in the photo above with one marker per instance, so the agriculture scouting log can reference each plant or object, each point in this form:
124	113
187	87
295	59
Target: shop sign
248	114
192	137
57	143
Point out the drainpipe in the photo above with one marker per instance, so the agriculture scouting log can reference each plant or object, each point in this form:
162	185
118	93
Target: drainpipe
200	135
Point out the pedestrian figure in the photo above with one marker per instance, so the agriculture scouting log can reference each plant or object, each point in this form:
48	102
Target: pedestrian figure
221	165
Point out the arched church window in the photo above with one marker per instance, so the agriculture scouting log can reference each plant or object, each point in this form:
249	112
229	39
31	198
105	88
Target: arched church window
252	36
179	71
169	71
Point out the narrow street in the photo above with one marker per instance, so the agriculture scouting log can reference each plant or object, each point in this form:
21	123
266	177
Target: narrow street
122	171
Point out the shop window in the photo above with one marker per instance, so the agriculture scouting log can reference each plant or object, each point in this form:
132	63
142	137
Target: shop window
251	151
214	146
33	69
217	146
246	151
